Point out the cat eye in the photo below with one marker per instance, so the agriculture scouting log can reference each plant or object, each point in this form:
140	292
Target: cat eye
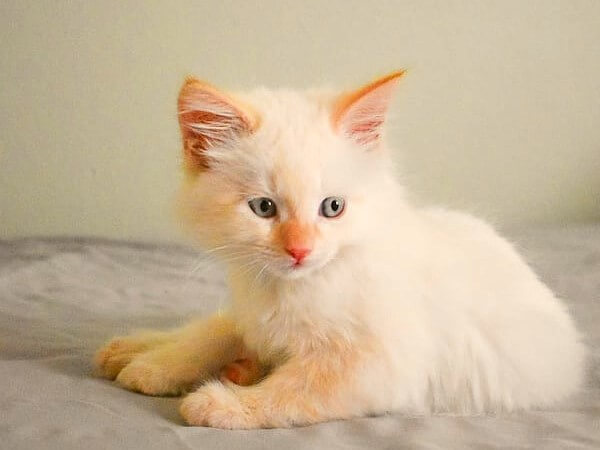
263	207
332	206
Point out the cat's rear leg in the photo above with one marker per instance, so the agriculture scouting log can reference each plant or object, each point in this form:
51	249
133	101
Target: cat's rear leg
170	363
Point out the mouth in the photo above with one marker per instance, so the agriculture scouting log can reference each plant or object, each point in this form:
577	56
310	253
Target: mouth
291	268
298	269
298	266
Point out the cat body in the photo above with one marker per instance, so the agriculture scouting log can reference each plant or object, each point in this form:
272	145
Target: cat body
351	300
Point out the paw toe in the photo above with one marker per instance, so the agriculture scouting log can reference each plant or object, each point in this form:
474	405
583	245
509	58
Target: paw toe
149	379
112	358
215	405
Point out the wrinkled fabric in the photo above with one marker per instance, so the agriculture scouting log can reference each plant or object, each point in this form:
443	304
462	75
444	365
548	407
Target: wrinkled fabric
60	299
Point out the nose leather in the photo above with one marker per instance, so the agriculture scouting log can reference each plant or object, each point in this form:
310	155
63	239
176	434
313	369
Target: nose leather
298	253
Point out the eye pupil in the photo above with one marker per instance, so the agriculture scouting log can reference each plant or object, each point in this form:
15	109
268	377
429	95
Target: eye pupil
265	205
335	205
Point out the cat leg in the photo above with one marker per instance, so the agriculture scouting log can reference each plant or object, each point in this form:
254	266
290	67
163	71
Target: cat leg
302	391
170	363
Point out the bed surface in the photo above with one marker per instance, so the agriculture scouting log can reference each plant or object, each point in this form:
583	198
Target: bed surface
62	298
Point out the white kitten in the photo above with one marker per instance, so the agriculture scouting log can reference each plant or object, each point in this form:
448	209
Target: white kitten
347	300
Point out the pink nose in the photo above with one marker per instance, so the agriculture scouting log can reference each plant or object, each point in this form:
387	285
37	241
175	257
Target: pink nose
298	253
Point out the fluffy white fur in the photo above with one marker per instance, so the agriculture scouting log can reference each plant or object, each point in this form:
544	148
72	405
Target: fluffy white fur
395	309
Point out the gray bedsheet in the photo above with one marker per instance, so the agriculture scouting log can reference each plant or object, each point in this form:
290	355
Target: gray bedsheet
61	298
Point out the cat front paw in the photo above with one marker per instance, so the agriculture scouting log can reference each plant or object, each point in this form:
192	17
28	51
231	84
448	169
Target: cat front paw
150	379
216	405
112	358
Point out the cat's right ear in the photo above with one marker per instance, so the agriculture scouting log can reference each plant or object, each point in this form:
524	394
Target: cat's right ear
209	118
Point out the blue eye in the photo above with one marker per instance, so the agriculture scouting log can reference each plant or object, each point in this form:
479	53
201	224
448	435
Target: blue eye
263	207
332	206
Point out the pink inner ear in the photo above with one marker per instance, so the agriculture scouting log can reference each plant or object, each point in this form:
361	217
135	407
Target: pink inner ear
365	132
361	114
207	118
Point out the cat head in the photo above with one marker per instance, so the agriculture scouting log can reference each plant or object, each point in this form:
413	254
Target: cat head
281	182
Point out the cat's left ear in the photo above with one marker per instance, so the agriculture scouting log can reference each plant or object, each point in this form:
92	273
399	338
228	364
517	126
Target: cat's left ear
359	115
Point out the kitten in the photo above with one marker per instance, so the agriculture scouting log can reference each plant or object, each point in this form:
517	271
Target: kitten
346	300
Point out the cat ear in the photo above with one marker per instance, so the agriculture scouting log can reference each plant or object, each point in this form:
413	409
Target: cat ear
209	118
359	115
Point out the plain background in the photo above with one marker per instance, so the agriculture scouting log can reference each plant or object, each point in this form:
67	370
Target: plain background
499	114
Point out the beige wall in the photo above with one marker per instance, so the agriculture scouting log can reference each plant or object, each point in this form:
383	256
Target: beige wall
500	112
